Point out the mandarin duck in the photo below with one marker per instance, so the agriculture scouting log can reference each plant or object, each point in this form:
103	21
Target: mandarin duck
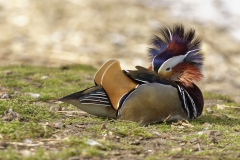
163	91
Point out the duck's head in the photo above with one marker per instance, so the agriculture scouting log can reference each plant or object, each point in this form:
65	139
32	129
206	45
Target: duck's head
176	55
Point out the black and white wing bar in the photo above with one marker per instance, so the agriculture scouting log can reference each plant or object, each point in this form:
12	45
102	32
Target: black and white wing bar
97	97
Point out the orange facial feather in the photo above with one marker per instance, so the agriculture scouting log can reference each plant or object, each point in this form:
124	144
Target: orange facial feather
186	74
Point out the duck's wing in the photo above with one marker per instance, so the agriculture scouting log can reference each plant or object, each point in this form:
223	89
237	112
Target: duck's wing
104	99
143	75
114	82
92	100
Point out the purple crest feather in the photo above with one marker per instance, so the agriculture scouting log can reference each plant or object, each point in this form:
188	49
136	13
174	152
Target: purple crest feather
175	39
195	57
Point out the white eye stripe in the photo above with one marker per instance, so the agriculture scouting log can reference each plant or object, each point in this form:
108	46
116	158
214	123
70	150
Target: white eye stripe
170	63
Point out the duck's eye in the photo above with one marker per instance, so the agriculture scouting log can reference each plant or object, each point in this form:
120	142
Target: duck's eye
168	69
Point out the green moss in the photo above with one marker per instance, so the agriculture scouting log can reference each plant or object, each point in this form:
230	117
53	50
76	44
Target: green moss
9	154
209	95
18	130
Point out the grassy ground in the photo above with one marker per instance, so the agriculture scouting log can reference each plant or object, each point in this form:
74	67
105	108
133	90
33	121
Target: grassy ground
34	125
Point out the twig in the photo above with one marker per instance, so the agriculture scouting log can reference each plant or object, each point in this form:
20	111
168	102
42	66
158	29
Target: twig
198	146
25	144
232	107
167	118
71	112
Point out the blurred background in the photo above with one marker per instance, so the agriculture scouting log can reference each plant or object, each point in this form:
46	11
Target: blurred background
62	32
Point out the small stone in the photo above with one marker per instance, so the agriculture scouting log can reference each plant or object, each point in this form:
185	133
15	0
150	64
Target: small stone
110	133
34	95
141	138
156	133
10	115
55	108
220	107
6	96
150	151
28	141
200	133
59	125
93	143
177	149
44	77
136	143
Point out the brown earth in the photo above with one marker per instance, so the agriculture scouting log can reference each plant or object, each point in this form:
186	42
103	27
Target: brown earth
56	33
